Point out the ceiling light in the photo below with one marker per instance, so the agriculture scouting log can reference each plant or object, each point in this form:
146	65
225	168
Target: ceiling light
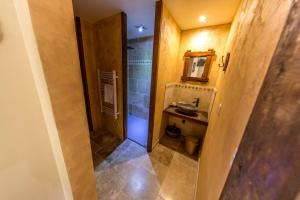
202	19
140	28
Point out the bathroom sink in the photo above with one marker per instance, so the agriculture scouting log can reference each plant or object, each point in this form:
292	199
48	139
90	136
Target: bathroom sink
186	109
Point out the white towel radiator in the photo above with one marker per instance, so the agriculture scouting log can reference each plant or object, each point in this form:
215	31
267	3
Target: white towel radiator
107	82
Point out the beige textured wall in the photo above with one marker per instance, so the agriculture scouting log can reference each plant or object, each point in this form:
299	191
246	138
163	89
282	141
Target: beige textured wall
202	39
31	162
167	66
89	43
174	42
53	23
252	41
108	58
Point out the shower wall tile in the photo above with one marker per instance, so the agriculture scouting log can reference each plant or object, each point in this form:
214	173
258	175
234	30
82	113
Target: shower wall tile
146	101
139	76
141	86
132	83
135	98
139	111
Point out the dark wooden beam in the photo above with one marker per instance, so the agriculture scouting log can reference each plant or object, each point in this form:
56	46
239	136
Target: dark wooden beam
124	69
83	73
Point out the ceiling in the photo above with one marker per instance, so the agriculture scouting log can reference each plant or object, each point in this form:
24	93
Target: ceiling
142	12
187	12
139	12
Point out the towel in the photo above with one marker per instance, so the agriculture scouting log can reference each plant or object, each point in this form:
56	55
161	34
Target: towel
108	93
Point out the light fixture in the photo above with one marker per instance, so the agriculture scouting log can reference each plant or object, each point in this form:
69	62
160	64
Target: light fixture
202	19
140	28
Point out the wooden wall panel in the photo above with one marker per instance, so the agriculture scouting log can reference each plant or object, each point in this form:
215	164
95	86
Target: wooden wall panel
267	165
109	56
167	70
88	32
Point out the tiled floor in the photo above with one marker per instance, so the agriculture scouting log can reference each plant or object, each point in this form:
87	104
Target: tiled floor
137	130
178	145
103	143
130	173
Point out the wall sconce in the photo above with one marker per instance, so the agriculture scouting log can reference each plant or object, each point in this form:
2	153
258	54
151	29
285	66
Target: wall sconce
225	64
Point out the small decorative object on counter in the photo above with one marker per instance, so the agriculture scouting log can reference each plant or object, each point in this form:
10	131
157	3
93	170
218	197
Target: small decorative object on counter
173	131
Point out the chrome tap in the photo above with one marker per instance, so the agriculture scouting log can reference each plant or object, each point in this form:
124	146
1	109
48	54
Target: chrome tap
196	102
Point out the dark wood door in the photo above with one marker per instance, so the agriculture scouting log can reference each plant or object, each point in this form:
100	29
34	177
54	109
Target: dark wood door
83	73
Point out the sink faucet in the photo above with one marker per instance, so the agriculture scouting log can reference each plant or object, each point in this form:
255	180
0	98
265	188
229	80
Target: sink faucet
196	102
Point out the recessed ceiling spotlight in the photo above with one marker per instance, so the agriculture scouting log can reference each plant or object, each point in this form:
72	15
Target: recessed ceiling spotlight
202	19
140	28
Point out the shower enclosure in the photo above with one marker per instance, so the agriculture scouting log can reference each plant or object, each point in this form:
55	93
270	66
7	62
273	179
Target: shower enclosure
139	51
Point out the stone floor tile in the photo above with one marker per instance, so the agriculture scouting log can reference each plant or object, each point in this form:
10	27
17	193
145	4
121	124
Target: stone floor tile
159	198
179	182
95	147
104	165
172	143
156	168
97	159
162	154
142	185
123	196
130	173
185	160
109	184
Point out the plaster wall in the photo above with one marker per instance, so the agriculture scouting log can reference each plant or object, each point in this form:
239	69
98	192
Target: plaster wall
108	55
173	44
167	71
202	39
102	48
252	40
31	161
88	32
53	24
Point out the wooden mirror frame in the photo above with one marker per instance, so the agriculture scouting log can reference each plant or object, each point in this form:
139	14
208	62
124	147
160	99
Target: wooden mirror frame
188	55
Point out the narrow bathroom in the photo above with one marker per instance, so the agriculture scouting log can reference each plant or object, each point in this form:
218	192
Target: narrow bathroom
150	99
119	66
150	85
154	79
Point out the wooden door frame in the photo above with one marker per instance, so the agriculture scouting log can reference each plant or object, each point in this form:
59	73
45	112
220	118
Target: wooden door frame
267	163
158	12
83	73
155	57
124	71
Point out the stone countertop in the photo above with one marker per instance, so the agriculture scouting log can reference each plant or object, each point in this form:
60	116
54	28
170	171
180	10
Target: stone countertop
202	117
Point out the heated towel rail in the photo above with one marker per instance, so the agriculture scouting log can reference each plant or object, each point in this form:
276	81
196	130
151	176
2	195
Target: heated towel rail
107	82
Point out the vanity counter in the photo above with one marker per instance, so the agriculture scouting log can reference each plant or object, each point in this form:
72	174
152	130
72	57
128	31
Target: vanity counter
202	117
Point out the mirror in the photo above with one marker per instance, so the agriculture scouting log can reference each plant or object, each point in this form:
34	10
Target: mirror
196	65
